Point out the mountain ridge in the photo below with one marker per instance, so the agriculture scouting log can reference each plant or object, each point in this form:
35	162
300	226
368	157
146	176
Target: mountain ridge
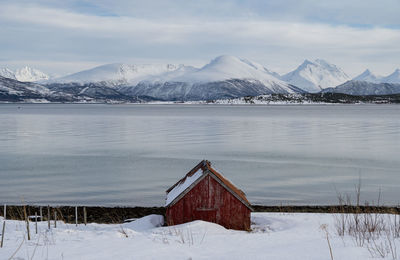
224	76
368	76
365	88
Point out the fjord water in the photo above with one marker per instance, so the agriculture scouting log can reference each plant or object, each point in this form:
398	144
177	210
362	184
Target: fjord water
90	154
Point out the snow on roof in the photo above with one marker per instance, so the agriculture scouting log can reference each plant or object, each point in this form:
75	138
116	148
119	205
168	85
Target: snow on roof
182	186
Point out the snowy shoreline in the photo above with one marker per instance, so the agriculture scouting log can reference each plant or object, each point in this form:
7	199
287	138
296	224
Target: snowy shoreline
273	236
205	103
117	214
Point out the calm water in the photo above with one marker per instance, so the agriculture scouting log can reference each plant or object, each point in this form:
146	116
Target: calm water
130	154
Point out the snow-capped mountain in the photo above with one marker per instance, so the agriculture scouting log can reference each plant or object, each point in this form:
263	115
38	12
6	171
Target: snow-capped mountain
116	74
221	68
25	74
224	77
368	76
368	83
364	88
392	78
28	74
313	76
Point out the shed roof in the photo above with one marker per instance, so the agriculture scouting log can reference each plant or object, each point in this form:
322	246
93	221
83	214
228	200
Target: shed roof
195	175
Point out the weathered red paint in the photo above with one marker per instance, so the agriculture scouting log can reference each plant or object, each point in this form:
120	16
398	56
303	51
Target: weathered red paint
210	201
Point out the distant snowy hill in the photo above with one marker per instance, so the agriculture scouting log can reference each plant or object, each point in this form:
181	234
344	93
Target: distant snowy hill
313	76
25	74
12	90
392	78
116	74
364	88
368	76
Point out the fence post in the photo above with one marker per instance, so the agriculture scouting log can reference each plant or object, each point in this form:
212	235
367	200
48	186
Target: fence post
84	215
36	222
27	223
4	225
48	216
76	216
2	233
41	213
55	218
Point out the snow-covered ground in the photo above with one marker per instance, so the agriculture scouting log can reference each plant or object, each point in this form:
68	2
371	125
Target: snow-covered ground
273	236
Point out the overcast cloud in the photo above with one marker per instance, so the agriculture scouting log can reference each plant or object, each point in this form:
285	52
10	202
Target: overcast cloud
61	37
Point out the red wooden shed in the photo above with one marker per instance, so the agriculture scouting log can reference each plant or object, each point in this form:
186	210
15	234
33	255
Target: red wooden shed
205	194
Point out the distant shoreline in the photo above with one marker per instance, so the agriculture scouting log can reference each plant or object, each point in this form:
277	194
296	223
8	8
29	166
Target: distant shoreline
267	99
108	215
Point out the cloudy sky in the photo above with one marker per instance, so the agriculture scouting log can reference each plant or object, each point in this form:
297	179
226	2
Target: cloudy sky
61	37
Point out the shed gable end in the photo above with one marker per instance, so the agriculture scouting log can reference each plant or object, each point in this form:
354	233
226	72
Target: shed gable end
192	178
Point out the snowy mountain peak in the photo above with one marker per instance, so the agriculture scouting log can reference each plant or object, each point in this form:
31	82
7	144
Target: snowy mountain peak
312	76
25	74
368	76
305	64
228	67
392	78
231	67
395	73
324	63
28	74
306	61
221	68
319	63
225	63
366	73
7	73
224	59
